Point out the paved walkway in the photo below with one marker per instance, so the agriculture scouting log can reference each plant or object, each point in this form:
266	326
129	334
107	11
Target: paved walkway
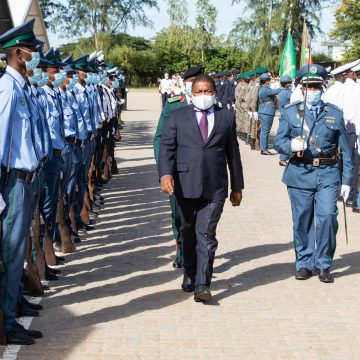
121	299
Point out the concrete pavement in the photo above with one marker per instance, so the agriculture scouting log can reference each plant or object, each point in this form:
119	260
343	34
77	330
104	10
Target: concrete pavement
121	299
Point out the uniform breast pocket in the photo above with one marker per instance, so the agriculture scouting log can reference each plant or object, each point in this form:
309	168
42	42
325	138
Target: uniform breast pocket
24	117
295	128
331	130
68	111
182	167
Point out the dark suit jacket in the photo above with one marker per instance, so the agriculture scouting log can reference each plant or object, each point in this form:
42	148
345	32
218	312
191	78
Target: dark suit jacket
200	169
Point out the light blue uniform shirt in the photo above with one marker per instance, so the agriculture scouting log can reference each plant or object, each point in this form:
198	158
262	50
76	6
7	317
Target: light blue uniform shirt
70	121
95	102
16	124
53	113
36	121
82	127
85	106
47	150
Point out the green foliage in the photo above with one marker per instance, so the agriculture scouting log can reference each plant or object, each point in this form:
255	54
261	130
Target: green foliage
347	27
320	58
205	27
73	17
263	31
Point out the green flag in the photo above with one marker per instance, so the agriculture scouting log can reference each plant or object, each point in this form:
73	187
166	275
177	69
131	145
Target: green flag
288	61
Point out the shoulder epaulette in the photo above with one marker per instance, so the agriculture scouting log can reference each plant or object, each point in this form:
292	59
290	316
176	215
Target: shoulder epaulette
293	103
334	107
175	99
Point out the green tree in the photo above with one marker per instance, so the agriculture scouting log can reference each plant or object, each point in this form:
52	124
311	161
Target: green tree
347	27
263	32
205	26
94	16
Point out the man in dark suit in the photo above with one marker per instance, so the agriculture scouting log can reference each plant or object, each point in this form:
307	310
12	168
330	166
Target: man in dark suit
197	143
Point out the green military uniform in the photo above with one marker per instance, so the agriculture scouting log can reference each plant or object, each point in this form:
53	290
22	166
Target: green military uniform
171	104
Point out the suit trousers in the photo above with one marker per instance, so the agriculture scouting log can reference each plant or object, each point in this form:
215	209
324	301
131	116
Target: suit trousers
314	213
176	223
199	219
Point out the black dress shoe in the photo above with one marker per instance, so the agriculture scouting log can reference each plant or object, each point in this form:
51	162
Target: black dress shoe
60	258
36	334
76	240
15	337
324	275
30	305
265	152
177	264
202	293
54	271
188	284
26	311
50	276
303	274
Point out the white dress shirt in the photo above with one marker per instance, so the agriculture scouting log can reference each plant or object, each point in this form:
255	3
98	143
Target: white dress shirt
210	117
335	95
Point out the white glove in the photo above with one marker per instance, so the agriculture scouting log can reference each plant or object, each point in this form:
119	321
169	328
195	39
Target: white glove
298	144
345	191
255	115
249	113
61	175
2	204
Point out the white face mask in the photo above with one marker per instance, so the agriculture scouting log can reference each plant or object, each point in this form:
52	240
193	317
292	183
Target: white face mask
203	102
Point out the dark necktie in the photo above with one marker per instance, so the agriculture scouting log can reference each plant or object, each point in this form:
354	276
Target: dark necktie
204	126
26	92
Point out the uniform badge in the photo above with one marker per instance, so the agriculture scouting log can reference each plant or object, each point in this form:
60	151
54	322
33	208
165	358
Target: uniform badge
313	70
330	120
22	101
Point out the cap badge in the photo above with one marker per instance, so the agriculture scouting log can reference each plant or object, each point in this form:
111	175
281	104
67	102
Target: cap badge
313	70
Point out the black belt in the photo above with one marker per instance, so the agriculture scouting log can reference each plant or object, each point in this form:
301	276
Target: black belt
70	139
315	161
26	176
57	152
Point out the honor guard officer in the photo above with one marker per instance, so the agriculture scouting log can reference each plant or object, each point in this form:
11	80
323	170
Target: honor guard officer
267	108
310	133
283	100
19	163
172	104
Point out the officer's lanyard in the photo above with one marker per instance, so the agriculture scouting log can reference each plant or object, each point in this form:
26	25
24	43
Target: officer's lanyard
307	131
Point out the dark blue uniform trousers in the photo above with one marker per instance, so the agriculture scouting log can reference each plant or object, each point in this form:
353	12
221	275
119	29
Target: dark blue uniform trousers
15	231
199	219
314	213
49	196
266	122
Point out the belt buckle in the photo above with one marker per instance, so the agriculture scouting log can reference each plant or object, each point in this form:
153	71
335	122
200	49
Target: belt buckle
316	162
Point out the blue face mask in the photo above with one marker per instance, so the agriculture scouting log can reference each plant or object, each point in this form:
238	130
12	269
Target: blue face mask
34	62
70	86
89	78
58	80
115	84
313	97
44	80
36	77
